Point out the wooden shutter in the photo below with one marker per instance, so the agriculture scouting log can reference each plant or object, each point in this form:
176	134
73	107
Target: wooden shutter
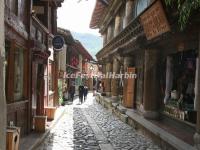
129	89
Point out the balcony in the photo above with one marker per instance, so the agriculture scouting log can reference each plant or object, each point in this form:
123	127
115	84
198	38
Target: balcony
40	38
127	36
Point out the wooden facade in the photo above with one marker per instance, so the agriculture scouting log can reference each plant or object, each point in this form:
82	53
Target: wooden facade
145	36
28	35
76	58
17	54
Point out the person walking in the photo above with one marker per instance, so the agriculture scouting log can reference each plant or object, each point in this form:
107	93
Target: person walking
65	95
71	92
81	92
85	92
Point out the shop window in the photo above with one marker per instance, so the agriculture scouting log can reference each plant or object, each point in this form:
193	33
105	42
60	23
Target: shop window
7	3
140	6
181	92
112	29
122	15
18	74
14	6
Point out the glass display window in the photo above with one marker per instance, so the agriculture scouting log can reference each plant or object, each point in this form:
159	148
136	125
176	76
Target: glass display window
18	73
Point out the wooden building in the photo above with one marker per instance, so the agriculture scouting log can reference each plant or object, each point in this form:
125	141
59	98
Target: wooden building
76	59
143	37
29	29
83	58
92	70
63	58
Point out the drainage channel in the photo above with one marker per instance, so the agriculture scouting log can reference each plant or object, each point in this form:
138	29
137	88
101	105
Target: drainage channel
103	142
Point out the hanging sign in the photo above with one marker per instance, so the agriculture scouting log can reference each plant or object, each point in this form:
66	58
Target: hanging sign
58	43
154	21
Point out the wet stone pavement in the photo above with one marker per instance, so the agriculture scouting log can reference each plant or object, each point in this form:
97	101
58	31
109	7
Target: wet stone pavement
91	127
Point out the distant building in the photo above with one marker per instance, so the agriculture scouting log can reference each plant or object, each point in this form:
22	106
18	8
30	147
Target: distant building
76	58
92	70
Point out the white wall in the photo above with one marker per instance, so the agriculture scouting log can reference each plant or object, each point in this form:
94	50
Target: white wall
2	77
62	58
52	53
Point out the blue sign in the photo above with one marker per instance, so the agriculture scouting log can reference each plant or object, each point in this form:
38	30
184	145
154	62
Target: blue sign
58	42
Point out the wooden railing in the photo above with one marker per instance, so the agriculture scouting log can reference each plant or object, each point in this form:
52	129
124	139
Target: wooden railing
13	21
132	31
39	34
41	39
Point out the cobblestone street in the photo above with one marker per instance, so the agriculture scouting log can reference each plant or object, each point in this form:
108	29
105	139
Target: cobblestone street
91	127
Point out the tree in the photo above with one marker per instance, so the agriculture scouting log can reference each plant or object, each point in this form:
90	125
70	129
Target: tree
185	9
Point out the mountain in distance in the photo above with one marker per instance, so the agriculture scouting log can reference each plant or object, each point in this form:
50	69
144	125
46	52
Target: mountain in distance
92	43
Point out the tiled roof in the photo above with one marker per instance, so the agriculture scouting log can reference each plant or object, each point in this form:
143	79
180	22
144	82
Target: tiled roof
97	13
66	34
78	46
73	43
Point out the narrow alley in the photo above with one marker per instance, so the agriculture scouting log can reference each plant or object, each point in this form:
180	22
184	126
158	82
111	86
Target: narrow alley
91	127
136	61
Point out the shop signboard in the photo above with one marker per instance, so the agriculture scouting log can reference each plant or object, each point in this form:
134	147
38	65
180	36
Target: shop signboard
58	43
154	21
129	89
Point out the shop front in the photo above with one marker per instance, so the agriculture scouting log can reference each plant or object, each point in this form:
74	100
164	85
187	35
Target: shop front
180	85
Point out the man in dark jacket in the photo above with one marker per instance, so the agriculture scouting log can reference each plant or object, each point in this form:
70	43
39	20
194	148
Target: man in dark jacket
81	92
71	92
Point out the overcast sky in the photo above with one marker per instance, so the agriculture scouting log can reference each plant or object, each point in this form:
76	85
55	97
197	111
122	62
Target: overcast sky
76	16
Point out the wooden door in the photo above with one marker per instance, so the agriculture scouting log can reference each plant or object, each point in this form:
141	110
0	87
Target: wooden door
129	90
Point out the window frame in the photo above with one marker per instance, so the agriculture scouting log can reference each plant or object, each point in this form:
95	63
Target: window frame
10	75
135	12
20	96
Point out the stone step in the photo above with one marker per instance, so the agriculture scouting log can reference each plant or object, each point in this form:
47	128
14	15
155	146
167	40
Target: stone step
122	109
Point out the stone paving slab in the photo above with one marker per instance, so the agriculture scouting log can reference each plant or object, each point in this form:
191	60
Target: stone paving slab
122	109
91	127
33	139
73	132
119	134
105	145
162	135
